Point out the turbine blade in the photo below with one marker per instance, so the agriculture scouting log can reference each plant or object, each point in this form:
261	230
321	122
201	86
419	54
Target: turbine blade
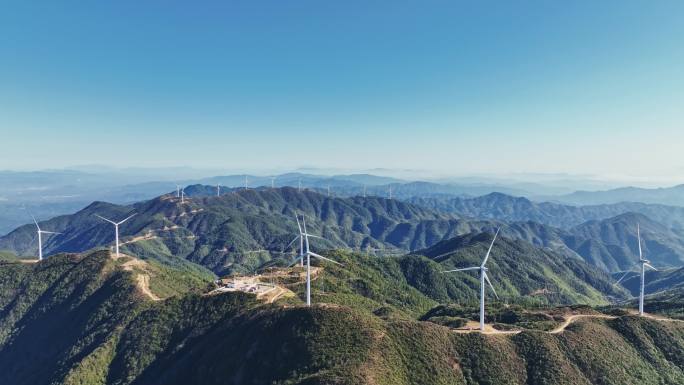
648	265
34	221
129	217
624	275
490	284
290	244
467	268
311	253
490	247
298	224
49	232
313	236
105	219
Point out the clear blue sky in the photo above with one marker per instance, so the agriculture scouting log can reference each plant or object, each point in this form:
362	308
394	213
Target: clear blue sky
592	87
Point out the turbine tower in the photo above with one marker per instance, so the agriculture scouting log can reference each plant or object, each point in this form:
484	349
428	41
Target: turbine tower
218	190
310	254
116	229
483	277
178	191
644	264
246	182
390	191
40	238
273	182
182	196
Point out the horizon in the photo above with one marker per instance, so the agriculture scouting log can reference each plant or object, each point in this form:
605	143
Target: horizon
453	88
584	182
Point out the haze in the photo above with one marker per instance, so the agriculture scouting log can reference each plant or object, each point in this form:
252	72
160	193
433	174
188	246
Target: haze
456	88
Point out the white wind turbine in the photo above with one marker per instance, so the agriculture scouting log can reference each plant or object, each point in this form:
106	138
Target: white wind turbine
273	182
246	182
644	264
116	229
304	235
218	190
182	195
483	277
40	238
178	187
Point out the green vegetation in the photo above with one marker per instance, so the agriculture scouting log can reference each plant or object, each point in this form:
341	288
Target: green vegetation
6	256
520	272
224	233
84	319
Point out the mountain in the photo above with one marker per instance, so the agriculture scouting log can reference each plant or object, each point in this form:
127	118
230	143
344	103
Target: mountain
64	313
519	270
90	319
612	243
604	236
245	228
673	196
515	209
242	229
654	281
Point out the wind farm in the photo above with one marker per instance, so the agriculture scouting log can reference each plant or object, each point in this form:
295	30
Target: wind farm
342	193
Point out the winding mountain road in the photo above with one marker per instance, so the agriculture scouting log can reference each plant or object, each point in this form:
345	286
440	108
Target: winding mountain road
473	327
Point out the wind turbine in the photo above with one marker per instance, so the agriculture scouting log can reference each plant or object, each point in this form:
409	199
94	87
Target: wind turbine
40	238
299	185
246	182
178	191
273	182
644	264
116	229
182	196
483	277
304	236
218	190
328	191
364	190
390	191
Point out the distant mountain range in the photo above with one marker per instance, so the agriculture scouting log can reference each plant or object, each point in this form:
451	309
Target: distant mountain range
56	192
245	228
673	196
513	209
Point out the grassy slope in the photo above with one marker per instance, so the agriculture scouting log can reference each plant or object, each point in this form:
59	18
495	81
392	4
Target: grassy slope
338	345
519	271
63	315
80	320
